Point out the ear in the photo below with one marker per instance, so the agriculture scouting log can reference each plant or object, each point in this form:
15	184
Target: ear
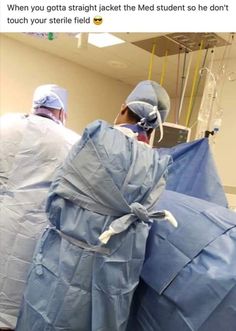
61	116
123	109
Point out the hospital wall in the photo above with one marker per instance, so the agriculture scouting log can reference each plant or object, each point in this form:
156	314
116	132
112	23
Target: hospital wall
23	68
224	146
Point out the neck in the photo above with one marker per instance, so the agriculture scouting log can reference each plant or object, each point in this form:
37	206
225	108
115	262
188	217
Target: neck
44	112
139	133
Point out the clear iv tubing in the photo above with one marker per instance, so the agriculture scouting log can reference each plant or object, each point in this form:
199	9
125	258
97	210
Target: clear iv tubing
185	85
204	112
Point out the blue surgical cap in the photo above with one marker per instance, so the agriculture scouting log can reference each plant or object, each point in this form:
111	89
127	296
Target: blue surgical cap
151	96
50	96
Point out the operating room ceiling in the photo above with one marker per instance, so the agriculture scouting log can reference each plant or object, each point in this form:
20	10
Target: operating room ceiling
127	62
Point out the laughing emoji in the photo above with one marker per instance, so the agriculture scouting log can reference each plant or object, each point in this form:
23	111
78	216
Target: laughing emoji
97	20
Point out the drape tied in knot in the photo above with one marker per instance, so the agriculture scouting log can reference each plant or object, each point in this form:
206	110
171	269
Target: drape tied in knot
137	212
140	211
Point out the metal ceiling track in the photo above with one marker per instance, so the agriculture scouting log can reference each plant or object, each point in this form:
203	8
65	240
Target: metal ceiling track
176	43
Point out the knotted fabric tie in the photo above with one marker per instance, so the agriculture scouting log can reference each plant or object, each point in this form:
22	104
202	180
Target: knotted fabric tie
140	211
137	211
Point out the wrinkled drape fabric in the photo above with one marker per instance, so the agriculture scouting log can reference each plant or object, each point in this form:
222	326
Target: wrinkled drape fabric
31	149
189	275
75	283
193	172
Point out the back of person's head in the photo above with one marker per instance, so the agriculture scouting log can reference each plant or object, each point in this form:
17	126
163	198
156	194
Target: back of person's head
147	106
51	97
150	102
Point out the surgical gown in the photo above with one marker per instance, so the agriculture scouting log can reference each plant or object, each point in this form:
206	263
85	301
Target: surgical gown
31	149
75	282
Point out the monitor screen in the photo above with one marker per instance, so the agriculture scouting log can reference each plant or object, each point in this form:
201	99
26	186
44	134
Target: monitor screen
174	134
